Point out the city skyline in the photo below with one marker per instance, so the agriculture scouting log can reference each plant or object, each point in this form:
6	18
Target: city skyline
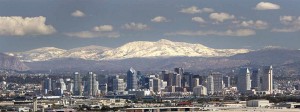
111	23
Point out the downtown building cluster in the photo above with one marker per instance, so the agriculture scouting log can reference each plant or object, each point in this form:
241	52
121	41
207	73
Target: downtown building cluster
246	81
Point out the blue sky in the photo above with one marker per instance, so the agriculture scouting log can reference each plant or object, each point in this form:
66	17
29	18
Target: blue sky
252	24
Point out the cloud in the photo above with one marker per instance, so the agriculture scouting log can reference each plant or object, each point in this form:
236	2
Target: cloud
19	26
221	17
286	19
97	31
103	28
93	34
292	24
198	19
194	10
78	13
266	6
239	32
159	19
208	10
258	24
135	26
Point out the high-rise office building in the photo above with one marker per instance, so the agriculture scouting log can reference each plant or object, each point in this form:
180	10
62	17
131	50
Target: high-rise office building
226	80
169	78
200	90
92	85
47	86
267	79
179	71
176	81
188	80
118	84
210	84
255	79
155	84
61	87
131	79
218	82
244	81
195	82
77	88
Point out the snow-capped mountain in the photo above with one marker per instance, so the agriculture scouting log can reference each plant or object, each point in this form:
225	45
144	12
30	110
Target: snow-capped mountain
166	48
88	52
47	53
40	54
137	49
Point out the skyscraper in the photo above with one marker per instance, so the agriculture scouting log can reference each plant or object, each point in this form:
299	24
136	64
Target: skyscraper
118	84
218	82
176	81
155	84
267	79
61	87
92	85
131	79
210	84
77	90
255	79
244	81
47	85
226	80
179	71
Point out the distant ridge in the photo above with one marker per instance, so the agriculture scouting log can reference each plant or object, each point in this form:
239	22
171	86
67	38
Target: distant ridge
11	63
136	49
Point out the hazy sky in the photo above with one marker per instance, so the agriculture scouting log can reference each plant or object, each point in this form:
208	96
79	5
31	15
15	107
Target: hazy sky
252	24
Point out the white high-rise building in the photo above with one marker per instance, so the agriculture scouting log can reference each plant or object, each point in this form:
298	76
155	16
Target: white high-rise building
92	85
267	79
244	81
195	82
210	84
199	90
155	84
118	84
178	80
77	88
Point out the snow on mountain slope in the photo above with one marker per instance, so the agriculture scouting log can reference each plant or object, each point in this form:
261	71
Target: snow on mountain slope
88	52
40	54
166	48
47	53
137	49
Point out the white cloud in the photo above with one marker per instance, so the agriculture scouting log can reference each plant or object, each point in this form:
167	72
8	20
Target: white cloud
103	28
221	17
190	10
286	19
135	26
19	26
286	29
195	9
97	31
266	6
93	34
208	10
239	32
258	24
198	19
78	13
159	19
292	24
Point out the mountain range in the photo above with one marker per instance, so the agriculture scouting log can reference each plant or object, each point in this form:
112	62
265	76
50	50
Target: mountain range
11	63
151	56
138	49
